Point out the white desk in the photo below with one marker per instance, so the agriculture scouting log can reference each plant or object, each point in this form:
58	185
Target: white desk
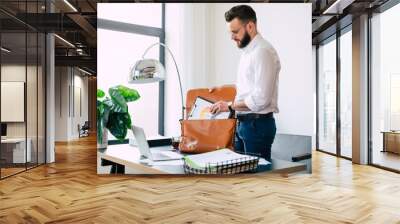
129	156
19	153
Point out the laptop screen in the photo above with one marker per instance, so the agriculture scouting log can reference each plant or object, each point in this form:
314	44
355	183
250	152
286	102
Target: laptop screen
141	141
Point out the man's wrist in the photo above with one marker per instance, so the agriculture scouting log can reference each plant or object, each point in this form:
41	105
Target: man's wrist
231	107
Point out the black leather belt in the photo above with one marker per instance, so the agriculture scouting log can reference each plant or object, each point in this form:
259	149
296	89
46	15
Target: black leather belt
252	116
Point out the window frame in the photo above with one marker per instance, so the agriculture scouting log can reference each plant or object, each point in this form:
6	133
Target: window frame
381	9
334	37
146	31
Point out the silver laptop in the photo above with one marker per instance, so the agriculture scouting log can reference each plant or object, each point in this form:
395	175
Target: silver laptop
145	151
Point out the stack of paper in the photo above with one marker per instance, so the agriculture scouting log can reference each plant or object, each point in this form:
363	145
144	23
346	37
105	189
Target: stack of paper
212	159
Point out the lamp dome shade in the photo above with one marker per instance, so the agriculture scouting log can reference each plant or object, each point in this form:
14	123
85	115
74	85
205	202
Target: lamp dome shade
147	71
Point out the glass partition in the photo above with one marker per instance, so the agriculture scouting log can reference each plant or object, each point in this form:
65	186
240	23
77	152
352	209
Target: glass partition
31	98
41	96
13	94
23	89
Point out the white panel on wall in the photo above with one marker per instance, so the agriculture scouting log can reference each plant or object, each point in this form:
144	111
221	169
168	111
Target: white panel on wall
12	101
77	111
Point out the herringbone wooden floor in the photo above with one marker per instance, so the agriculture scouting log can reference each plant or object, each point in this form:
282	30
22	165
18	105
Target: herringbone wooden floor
70	191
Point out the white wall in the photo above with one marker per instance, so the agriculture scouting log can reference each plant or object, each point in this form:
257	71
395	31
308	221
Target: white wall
173	25
187	28
66	121
198	36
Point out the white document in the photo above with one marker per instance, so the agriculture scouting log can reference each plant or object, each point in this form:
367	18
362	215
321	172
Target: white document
212	158
201	111
176	162
263	161
171	154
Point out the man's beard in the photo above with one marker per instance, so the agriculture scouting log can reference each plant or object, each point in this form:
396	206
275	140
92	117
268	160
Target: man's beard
245	40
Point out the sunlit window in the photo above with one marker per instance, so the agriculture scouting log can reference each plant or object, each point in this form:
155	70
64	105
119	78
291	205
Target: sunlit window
346	94
385	85
327	96
144	14
118	52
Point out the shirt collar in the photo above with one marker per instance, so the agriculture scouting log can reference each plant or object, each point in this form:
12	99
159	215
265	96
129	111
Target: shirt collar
252	43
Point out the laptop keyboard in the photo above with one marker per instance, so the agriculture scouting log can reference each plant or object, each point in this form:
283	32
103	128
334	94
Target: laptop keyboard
167	155
160	156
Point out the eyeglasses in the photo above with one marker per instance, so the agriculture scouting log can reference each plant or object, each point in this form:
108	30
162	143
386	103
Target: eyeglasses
235	32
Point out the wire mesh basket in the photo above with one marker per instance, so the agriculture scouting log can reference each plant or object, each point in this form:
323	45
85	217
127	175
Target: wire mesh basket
245	164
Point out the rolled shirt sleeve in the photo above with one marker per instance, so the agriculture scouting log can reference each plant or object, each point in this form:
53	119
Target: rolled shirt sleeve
266	69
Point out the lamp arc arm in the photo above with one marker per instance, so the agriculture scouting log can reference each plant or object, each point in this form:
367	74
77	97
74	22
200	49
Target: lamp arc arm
177	70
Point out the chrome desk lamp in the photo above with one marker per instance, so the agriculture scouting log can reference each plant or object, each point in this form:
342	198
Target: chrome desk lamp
151	70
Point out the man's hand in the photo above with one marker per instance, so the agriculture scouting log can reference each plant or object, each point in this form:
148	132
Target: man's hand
210	90
220	106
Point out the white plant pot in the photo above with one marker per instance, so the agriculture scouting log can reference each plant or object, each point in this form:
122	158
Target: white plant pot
104	143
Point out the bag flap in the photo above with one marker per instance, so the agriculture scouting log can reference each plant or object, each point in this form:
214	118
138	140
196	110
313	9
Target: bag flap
225	93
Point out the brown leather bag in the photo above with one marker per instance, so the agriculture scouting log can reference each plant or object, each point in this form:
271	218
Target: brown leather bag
200	136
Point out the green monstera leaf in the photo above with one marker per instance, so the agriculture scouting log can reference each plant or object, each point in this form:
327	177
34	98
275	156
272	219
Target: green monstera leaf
119	102
100	93
99	121
118	123
129	94
121	95
102	117
112	112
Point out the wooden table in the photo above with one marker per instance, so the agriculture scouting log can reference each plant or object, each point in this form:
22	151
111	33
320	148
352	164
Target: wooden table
14	152
128	159
391	141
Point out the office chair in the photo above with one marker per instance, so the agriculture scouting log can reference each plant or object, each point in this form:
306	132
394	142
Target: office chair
84	130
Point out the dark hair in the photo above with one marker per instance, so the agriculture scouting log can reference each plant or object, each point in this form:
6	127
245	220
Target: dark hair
243	12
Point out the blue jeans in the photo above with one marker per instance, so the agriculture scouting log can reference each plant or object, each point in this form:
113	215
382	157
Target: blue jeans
255	136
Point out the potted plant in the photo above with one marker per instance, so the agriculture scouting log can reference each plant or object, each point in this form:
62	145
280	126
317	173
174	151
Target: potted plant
113	114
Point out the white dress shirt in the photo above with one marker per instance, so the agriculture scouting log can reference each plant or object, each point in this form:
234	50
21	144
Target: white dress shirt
257	77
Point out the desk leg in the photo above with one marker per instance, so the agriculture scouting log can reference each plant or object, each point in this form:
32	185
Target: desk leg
115	167
118	168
